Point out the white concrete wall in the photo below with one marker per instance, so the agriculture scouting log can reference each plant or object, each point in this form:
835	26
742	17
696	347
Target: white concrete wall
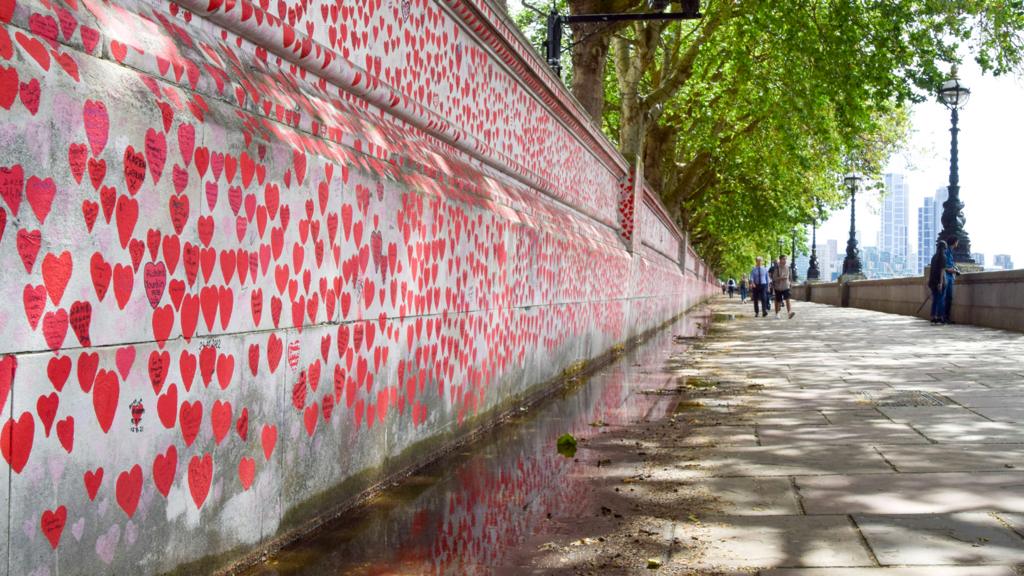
255	258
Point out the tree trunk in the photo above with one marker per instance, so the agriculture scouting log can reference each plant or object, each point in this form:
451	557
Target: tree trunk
589	56
658	149
590	52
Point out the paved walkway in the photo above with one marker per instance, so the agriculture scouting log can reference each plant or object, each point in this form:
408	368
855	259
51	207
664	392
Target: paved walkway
847	442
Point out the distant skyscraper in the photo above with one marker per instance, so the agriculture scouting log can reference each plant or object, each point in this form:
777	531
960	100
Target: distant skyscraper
828	260
926	233
1003	261
979	258
893	242
941	195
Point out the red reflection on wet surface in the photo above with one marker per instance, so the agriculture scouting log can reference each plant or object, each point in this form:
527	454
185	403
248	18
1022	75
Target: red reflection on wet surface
470	512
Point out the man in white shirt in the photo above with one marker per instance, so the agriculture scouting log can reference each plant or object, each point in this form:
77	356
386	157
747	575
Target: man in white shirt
759	283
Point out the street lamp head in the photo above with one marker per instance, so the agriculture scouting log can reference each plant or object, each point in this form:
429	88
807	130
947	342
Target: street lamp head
954	94
851	179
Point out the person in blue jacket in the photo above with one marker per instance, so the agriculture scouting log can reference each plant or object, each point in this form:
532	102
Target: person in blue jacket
937	281
951	272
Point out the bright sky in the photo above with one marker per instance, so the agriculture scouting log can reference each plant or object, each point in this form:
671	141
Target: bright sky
991	129
990	142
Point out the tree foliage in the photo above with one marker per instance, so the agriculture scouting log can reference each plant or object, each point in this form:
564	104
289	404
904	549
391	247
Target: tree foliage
748	118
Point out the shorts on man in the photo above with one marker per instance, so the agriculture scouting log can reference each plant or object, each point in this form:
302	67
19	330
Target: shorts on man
781	295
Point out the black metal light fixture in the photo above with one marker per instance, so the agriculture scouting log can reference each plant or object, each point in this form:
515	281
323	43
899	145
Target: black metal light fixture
954	96
553	44
813	273
792	260
852	264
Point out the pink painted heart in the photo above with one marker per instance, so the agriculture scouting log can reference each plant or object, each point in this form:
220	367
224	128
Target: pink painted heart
28	243
56	274
134	169
55	328
124	358
156	153
127	216
154	281
80	318
97	125
39	194
200	476
105	393
129	489
246	472
77	156
186	142
12	184
164	467
8	368
16	439
52	524
8	82
30	93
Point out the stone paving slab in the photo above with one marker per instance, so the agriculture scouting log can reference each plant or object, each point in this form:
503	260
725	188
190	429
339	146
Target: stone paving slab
954	457
919	462
719	436
941	539
989	397
913	493
859	433
922	415
898	571
760	417
804	460
767	496
747	542
862	415
840	443
972	431
1001	413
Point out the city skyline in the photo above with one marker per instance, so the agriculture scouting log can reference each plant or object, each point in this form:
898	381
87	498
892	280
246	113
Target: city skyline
988	187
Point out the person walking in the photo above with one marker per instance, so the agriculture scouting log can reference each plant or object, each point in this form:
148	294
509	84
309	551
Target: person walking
759	279
951	271
937	281
743	290
732	287
780	280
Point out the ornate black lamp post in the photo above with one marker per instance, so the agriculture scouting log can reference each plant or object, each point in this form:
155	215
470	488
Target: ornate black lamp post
955	95
813	273
792	260
851	264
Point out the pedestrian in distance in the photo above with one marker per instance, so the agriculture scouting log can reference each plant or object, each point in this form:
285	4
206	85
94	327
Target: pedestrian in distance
743	290
937	281
780	280
951	272
759	279
732	287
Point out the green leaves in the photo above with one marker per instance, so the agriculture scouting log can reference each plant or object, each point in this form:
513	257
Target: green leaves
749	116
